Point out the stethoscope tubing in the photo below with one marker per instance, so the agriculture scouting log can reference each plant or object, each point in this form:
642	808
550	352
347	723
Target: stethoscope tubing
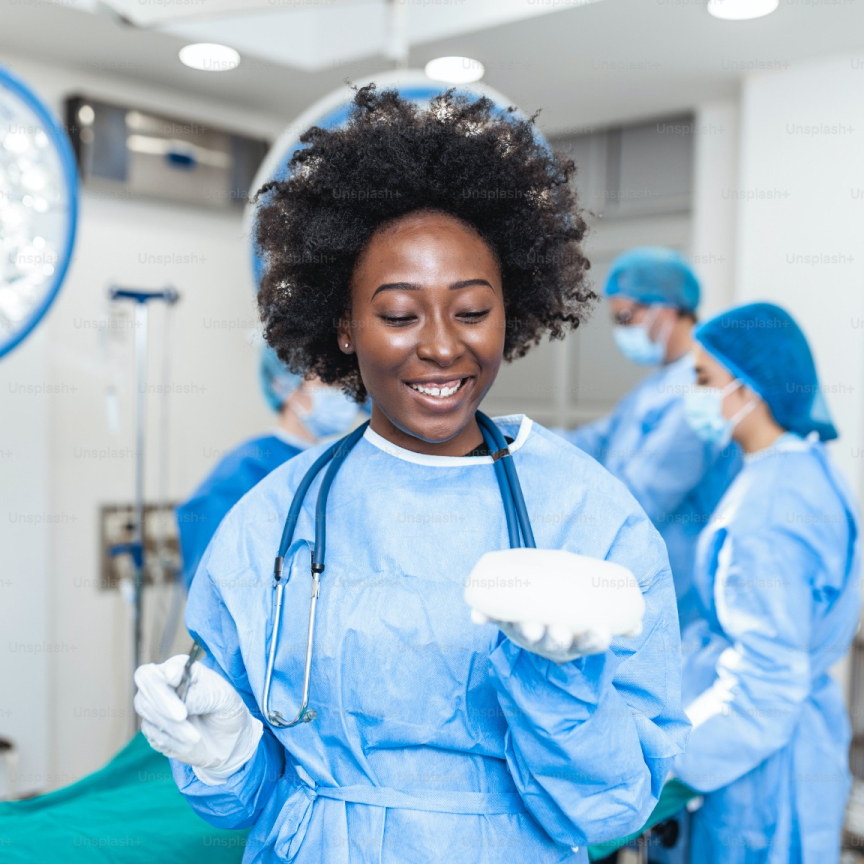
508	482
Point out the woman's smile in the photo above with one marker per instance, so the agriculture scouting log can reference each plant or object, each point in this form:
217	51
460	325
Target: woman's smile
442	394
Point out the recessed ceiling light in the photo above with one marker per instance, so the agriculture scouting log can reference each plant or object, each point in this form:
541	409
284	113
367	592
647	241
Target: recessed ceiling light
455	70
741	10
209	57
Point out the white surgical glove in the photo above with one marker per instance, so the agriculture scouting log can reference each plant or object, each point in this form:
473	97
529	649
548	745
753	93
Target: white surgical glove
554	642
554	603
213	732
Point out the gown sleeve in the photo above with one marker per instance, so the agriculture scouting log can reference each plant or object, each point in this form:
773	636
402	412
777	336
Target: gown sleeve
590	438
238	801
199	518
764	604
591	741
197	521
668	463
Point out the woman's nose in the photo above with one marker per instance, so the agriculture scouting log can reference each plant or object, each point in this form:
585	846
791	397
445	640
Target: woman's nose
439	341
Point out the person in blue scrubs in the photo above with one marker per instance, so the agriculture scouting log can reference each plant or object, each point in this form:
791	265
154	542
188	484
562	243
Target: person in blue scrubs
653	296
777	580
436	739
307	411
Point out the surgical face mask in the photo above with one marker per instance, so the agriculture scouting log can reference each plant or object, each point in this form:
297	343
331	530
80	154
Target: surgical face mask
331	413
635	343
703	408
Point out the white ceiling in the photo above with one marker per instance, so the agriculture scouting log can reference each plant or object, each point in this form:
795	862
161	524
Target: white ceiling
584	65
316	34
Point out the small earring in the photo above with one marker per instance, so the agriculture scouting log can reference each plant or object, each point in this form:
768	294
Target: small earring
346	344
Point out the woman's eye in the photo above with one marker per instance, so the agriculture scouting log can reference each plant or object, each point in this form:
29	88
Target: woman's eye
475	316
397	319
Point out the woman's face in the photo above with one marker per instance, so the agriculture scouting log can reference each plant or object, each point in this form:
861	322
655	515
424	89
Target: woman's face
427	324
710	373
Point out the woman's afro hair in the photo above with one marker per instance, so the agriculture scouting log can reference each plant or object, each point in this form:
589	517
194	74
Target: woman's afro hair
459	156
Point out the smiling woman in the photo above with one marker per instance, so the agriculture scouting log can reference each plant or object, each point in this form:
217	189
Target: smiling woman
408	254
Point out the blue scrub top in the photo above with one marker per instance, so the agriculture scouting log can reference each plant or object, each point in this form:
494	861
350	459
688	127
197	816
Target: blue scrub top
237	472
677	477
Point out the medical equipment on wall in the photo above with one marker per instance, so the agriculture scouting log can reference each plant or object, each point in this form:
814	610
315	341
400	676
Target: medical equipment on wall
129	152
518	529
38	209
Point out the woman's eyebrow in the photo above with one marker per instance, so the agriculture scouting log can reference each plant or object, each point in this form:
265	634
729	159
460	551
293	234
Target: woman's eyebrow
466	282
397	286
412	286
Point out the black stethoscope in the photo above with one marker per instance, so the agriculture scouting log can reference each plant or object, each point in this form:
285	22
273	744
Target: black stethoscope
518	530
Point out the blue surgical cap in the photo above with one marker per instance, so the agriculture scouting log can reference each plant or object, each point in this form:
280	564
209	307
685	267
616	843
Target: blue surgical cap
652	274
277	383
763	346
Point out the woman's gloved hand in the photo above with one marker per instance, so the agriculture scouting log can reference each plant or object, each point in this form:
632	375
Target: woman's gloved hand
213	731
555	642
555	603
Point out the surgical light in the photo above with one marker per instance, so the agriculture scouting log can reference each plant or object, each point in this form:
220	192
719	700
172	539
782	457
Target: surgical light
741	10
38	209
209	57
455	70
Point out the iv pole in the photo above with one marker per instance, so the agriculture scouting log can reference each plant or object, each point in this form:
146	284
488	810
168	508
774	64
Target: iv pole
136	548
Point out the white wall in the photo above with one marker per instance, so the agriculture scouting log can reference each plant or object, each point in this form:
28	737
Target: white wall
802	167
801	226
24	509
715	203
69	710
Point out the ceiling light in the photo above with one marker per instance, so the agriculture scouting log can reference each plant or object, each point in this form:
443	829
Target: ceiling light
455	70
209	57
740	10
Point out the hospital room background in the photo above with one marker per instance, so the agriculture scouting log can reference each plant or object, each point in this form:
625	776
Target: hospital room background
738	143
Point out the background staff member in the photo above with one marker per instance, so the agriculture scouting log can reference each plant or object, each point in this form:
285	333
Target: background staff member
646	441
777	580
308	410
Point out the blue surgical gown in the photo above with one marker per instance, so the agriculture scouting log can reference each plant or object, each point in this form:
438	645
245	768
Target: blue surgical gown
677	478
235	474
777	577
437	740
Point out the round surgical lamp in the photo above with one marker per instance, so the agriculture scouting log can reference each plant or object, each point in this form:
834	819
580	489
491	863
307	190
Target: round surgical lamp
333	110
38	209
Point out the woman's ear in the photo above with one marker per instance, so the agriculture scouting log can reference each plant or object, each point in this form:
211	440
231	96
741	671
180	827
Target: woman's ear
345	337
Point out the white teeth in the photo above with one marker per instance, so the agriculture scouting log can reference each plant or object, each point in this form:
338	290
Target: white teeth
439	392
